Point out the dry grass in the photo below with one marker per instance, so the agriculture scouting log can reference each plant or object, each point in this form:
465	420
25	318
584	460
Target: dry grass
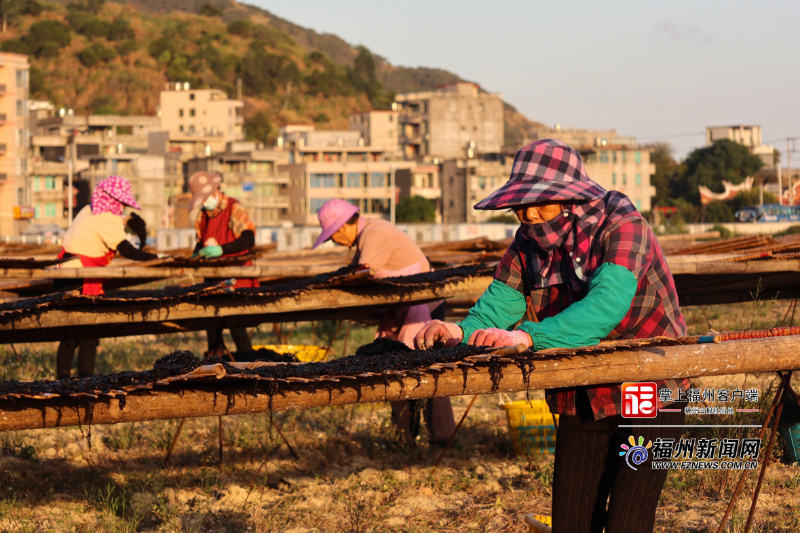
353	474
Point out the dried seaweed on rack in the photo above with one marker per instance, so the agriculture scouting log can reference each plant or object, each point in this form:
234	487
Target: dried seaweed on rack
161	298
29	262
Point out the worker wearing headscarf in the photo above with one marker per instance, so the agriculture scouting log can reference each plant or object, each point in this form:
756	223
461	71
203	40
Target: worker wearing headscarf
593	270
389	252
223	229
95	236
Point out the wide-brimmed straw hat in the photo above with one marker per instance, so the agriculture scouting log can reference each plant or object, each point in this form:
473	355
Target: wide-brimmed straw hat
545	171
202	185
332	215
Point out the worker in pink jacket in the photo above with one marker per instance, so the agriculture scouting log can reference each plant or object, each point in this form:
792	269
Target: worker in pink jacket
389	252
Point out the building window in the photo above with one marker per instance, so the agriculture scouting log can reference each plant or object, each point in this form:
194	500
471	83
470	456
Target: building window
180	112
354	179
180	128
638	177
191	96
380	205
377	179
624	177
22	78
316	203
638	156
191	112
613	178
638	205
604	157
624	156
50	183
50	210
20	108
318	180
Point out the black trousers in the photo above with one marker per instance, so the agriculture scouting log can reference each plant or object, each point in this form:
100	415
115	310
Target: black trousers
593	487
216	344
87	353
438	414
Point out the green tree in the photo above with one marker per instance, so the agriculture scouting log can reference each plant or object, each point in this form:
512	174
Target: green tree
96	53
364	78
718	211
11	10
415	209
46	38
666	169
751	197
209	10
724	160
240	27
259	128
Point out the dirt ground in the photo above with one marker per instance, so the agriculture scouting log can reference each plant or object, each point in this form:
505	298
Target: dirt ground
351	472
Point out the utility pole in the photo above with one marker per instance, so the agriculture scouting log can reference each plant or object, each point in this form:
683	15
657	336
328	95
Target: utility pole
789	165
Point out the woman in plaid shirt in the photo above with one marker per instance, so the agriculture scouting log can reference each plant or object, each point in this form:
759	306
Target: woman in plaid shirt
593	270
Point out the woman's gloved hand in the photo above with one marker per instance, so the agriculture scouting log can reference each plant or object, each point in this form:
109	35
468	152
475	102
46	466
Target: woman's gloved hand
499	337
211	251
436	330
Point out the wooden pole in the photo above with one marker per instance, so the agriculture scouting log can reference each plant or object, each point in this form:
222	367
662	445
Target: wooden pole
231	396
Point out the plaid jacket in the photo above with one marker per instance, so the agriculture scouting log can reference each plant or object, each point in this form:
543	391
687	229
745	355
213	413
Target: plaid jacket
626	241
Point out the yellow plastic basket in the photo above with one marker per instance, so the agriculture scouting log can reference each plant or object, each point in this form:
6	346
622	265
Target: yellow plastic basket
303	352
531	425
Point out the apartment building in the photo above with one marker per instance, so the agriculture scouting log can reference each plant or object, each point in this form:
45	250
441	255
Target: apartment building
336	164
252	176
454	121
623	169
577	137
200	113
466	182
151	176
421	180
15	190
749	136
379	129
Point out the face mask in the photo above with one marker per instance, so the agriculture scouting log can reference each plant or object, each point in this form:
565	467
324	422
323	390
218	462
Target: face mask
211	203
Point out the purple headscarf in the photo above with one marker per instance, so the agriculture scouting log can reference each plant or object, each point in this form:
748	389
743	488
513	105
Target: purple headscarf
111	194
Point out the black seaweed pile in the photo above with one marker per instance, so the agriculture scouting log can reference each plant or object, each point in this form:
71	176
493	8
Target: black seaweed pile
174	364
370	358
376	357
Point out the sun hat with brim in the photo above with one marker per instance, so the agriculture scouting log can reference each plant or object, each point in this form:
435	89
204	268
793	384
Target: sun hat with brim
545	171
113	189
332	215
202	185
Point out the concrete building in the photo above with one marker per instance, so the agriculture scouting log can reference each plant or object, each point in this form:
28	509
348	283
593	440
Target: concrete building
579	138
454	121
379	129
150	176
749	136
250	175
421	180
623	169
336	164
466	182
15	190
203	113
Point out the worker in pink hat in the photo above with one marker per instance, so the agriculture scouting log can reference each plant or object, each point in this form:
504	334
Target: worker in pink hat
95	236
223	229
389	252
587	266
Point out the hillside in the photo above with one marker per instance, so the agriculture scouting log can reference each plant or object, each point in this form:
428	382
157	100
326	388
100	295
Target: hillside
114	58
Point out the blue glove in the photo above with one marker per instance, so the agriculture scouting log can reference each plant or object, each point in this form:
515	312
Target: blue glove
211	251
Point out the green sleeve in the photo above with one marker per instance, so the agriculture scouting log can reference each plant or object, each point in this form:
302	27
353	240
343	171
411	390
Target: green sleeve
499	307
588	321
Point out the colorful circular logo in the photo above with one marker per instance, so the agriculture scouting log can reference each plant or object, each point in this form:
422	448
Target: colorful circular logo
635	454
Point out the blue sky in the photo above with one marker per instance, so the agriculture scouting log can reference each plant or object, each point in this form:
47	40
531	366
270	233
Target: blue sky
660	71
